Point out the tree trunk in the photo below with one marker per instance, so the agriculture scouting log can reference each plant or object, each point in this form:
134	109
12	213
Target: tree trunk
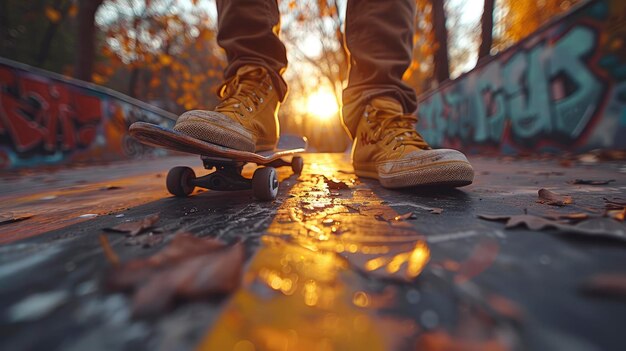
86	38
486	30
442	65
132	83
50	33
4	25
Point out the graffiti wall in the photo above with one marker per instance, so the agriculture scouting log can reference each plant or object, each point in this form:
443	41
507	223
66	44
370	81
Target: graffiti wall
561	89
49	119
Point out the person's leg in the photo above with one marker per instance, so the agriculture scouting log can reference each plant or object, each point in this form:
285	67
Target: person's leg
246	118
379	38
248	32
378	106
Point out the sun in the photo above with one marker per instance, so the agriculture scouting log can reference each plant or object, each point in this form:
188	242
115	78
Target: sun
322	104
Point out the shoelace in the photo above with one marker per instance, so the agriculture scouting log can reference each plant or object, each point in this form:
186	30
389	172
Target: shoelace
240	92
396	129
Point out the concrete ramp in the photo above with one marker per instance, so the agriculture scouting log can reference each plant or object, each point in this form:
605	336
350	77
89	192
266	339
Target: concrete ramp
561	89
46	119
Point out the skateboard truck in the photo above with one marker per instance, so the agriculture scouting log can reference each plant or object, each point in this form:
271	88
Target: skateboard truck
227	163
181	181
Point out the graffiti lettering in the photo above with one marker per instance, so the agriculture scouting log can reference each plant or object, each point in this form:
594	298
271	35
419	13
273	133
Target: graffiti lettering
546	91
45	120
37	115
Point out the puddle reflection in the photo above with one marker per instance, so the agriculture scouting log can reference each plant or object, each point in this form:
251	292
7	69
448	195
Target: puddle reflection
300	291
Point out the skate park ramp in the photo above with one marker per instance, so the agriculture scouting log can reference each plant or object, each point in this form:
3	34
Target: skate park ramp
562	89
50	119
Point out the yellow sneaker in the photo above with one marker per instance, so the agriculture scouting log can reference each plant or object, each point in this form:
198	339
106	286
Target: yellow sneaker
388	148
246	118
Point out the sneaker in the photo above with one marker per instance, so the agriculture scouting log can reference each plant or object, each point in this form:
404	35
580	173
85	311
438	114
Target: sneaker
388	148
245	119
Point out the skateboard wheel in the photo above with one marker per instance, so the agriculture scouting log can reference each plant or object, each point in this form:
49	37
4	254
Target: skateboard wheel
179	181
297	164
265	183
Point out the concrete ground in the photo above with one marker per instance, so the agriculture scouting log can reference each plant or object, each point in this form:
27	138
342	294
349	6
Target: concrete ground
325	269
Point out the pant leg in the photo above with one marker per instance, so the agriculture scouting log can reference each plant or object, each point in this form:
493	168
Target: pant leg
379	38
248	31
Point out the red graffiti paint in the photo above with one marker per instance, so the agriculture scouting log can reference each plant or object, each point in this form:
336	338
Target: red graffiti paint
38	114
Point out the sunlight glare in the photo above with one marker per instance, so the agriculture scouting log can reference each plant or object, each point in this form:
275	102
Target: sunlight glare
322	104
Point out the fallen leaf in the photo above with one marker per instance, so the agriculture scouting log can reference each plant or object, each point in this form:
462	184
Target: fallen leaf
135	227
189	268
334	184
603	227
408	215
12	218
606	285
436	210
110	255
111	187
497	218
553	199
591	182
617	215
506	307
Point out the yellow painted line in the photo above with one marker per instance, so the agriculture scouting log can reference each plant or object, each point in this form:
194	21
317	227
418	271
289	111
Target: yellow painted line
300	291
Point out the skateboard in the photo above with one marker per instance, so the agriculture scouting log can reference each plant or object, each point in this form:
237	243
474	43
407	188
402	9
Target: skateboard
228	163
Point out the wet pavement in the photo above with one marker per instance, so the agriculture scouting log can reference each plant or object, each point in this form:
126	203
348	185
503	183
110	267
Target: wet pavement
335	263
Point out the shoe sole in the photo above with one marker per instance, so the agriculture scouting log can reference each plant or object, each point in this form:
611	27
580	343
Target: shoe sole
450	173
211	129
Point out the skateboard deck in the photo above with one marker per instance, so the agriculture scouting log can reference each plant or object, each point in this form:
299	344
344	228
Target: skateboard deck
228	163
155	135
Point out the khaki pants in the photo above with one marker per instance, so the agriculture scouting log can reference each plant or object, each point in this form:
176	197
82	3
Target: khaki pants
379	38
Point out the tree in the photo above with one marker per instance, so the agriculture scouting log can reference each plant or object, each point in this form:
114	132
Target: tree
324	67
86	34
486	30
441	59
39	33
419	75
161	51
521	18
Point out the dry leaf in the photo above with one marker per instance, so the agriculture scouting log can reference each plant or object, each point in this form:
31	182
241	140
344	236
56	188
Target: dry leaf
592	227
436	210
189	267
617	215
505	307
12	218
135	227
610	285
111	187
334	184
591	182
408	215
553	199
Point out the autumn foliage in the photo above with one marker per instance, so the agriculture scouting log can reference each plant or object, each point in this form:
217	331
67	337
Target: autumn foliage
164	51
170	57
